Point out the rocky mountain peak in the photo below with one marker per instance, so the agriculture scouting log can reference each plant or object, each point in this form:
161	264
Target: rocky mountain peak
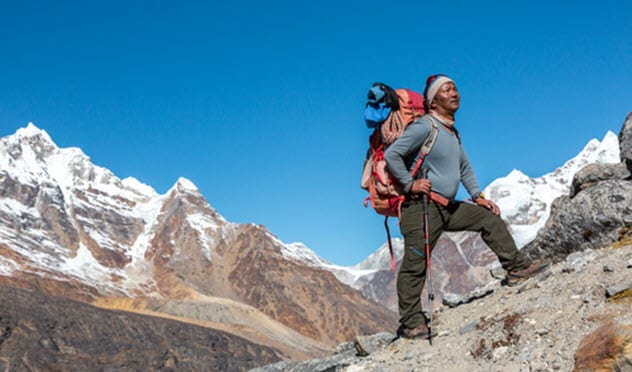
31	156
40	146
184	185
600	152
186	197
32	133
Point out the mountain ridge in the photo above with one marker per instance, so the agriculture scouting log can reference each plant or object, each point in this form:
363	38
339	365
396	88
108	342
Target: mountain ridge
296	249
73	229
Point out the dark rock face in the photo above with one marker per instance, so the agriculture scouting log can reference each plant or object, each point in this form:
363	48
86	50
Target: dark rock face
40	332
625	142
597	212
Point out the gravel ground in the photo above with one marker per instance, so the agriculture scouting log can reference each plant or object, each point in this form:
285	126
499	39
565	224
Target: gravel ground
536	326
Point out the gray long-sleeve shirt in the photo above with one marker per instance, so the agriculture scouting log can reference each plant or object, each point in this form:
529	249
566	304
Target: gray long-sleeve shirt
447	163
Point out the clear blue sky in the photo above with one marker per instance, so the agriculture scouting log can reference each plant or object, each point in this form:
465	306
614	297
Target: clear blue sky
260	103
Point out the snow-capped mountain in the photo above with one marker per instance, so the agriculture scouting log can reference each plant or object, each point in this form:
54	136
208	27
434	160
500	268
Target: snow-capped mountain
54	203
525	202
346	274
71	228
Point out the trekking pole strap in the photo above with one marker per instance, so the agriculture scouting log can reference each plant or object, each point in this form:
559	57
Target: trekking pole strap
390	243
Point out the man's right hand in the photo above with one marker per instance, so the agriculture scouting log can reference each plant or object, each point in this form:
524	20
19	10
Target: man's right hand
421	186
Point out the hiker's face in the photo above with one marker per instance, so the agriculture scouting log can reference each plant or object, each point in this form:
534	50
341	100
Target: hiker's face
447	99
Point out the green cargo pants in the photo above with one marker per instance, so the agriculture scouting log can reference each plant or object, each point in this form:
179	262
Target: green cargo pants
455	217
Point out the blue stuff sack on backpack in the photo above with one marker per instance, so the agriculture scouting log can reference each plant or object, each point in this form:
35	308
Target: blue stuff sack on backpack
375	116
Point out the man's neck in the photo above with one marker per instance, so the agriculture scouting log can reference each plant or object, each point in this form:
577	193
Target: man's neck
445	118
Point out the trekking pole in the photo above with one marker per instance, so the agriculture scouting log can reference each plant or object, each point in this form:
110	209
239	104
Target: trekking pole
424	174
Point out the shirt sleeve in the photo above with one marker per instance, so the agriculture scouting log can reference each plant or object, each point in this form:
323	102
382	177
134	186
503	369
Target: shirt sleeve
404	148
468	178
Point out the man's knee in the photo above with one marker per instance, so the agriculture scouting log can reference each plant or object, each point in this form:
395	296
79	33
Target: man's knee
414	262
493	221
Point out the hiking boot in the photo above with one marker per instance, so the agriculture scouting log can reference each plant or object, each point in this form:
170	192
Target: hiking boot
515	277
420	332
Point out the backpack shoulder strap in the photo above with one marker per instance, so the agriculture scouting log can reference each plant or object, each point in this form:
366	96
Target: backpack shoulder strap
431	139
426	146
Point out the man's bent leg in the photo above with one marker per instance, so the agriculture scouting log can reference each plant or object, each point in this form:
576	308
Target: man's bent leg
493	230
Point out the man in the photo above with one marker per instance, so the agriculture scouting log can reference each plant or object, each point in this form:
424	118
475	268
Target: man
448	166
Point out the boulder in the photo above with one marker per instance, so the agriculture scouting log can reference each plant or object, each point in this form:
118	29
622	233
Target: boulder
620	291
365	345
455	299
592	219
592	174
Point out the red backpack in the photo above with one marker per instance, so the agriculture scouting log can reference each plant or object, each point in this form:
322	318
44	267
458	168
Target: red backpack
411	105
385	194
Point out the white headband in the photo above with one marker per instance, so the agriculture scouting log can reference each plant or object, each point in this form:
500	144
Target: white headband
434	87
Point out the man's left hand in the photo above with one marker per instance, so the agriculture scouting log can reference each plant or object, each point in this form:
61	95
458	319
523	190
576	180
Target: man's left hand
485	203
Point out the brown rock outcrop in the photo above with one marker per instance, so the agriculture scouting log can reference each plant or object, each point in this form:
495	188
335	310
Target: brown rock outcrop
307	299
